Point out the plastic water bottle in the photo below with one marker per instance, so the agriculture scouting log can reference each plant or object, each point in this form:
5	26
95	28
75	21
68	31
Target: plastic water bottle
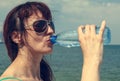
70	38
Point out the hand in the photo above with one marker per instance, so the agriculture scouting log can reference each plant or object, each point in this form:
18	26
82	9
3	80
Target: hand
91	43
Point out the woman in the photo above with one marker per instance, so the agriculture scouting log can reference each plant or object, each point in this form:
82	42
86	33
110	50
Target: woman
27	31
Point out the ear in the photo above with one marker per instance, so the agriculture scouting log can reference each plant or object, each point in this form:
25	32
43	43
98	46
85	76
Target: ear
16	37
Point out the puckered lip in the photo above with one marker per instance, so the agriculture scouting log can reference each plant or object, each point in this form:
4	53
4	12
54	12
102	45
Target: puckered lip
49	41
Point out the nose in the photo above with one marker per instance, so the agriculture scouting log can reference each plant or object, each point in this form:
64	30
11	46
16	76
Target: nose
50	30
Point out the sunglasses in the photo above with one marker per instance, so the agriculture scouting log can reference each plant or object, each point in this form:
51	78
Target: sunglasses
41	26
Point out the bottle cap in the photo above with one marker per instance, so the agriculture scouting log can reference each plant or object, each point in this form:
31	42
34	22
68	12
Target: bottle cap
53	39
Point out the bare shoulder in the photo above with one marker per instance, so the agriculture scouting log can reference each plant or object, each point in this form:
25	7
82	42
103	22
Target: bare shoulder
6	76
1	78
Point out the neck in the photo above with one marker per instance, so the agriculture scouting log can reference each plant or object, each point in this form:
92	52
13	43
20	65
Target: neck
28	64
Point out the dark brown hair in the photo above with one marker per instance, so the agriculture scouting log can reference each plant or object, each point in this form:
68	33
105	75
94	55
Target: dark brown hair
15	22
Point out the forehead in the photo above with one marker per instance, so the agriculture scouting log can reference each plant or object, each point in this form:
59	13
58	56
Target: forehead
34	17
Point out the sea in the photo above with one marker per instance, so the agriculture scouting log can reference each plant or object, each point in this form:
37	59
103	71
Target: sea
66	63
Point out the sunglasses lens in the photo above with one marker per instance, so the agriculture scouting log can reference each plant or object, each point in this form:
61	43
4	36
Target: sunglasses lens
40	26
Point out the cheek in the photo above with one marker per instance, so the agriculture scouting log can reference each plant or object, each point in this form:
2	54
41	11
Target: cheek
39	44
43	47
36	42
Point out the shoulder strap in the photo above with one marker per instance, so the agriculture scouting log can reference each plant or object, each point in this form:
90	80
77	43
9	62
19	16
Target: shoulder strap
8	78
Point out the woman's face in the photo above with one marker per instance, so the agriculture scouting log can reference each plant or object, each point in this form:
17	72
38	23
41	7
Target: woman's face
38	43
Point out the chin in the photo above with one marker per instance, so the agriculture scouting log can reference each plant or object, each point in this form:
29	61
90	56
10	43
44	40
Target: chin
48	50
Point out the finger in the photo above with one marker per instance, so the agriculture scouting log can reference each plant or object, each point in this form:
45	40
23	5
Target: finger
87	29
93	32
102	28
80	31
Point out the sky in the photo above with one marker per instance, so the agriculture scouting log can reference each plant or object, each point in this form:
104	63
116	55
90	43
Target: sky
70	14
